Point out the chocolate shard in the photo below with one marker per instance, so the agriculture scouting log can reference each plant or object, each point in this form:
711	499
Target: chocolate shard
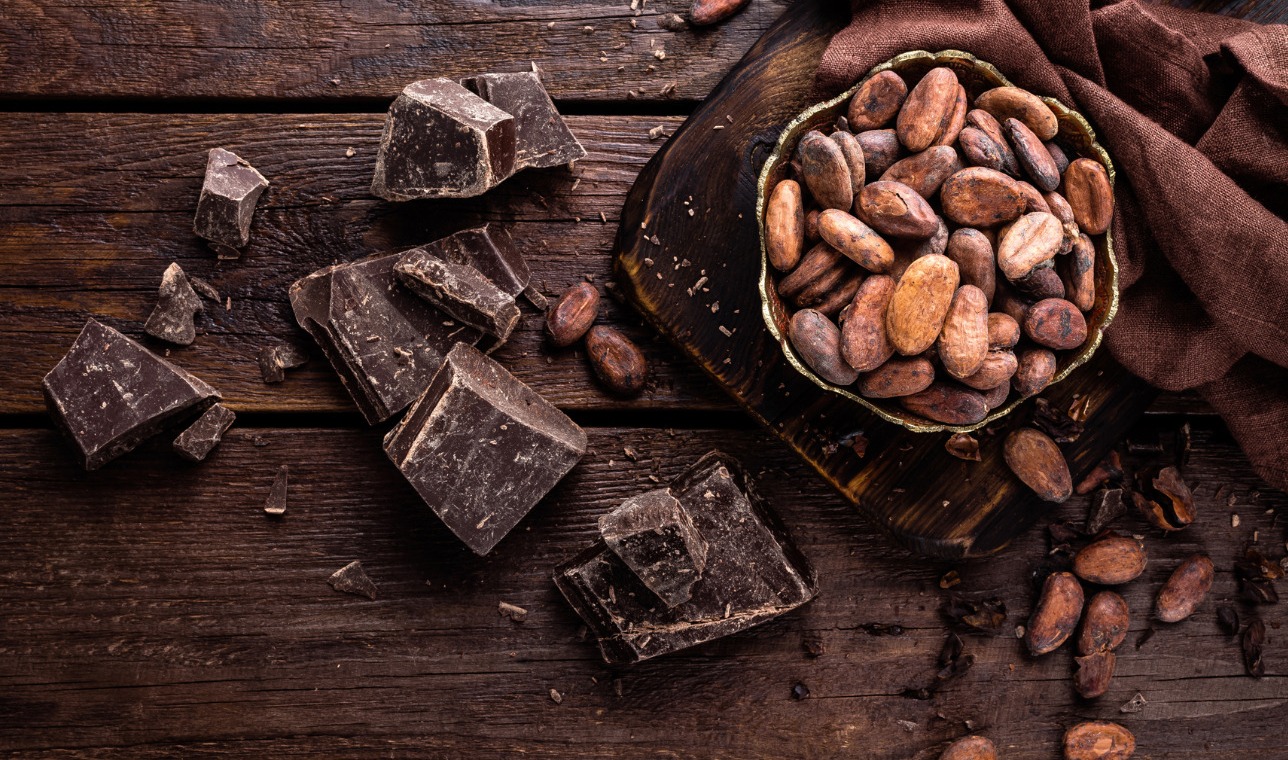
383	341
352	579
753	573
109	394
177	304
227	204
275	504
482	448
461	291
489	249
654	537
542	138
442	141
275	360
201	437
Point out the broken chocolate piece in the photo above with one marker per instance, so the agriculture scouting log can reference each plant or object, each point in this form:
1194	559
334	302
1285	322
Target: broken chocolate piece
202	436
655	538
275	504
482	448
352	579
383	341
542	138
460	290
109	393
1106	506
228	197
489	249
512	611
177	303
275	360
753	573
442	141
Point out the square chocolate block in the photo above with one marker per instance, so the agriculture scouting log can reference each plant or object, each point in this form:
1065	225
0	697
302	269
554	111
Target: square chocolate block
482	448
228	196
542	137
753	573
109	394
384	342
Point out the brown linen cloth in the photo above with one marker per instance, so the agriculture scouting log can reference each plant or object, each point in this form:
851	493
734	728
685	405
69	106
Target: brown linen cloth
1193	108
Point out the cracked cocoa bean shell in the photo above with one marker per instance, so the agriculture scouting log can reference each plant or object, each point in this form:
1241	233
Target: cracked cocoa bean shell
1039	464
877	101
1104	624
1185	589
1055	617
617	362
1163	498
1110	561
1098	740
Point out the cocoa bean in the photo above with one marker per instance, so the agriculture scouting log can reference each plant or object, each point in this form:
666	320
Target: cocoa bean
920	304
1033	200
978	149
1056	323
821	288
955	122
984	122
928	109
818	341
707	12
926	171
820	259
1095	671
1098	740
811	225
900	376
972	252
1013	103
857	241
1078	272
1056	615
1086	186
825	171
1036	368
881	148
908	251
950	404
877	101
1060	208
963	342
841	296
1185	590
572	314
864	344
981	197
893	208
1003	331
1110	561
1033	155
1038	463
785	226
1033	239
1040	283
996	397
1058	155
1010	303
1104	624
853	152
618	363
996	370
970	748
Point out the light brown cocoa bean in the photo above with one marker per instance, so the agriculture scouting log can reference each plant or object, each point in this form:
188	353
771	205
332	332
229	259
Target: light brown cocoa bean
963	342
920	304
820	259
1035	371
1038	463
1078	271
1185	589
1098	740
1056	615
1033	200
572	314
811	225
853	152
1104	624
1087	188
1042	282
1110	561
618	363
881	148
1095	671
956	121
893	208
1055	323
825	171
970	748
1058	155
707	12
1033	156
978	149
864	344
841	296
996	397
818	341
973	253
900	376
1031	240
980	197
928	109
1013	103
948	403
986	123
877	101
924	172
997	369
1060	208
856	240
785	226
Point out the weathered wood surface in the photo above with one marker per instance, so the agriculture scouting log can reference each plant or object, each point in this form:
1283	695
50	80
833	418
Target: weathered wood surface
151	608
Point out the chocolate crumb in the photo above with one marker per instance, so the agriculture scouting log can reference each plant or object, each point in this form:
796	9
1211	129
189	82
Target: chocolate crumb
276	502
1135	704
555	696
512	611
352	579
800	691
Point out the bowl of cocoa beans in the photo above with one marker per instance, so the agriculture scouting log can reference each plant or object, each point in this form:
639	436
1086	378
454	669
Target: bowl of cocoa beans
935	242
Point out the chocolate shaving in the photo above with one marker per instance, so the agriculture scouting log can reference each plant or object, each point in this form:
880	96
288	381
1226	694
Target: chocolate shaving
276	502
352	579
987	615
201	437
1055	422
1252	642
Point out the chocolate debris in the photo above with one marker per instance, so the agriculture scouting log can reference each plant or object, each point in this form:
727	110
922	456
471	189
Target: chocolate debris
275	360
202	436
275	504
177	303
352	579
654	537
228	196
542	138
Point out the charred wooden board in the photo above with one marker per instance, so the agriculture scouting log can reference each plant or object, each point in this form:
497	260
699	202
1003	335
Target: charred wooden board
691	215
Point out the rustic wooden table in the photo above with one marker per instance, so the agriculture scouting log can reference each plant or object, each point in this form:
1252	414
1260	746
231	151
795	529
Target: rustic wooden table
151	610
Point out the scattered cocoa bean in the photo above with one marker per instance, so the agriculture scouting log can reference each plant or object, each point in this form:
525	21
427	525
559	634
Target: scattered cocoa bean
708	12
825	170
1056	615
963	446
1098	740
970	748
1104	624
818	341
900	376
1087	188
1185	589
1110	561
877	101
572	314
1095	671
617	362
928	109
1038	463
1252	642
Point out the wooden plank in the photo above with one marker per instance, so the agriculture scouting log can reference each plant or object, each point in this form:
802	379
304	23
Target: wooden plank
365	49
89	221
152	609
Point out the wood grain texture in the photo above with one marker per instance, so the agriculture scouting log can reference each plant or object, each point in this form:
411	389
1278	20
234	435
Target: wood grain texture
151	608
360	49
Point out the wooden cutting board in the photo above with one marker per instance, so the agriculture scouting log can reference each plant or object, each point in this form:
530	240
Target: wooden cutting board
688	258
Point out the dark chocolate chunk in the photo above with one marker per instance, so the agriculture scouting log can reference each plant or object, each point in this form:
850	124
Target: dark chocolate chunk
1106	506
542	138
482	448
228	197
489	249
275	504
202	436
443	141
461	291
383	341
655	538
109	393
275	360
205	289
352	579
177	303
753	573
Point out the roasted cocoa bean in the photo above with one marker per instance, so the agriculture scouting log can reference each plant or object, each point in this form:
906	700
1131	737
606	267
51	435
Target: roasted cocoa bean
618	363
1060	208
1056	615
900	376
981	197
997	369
996	397
973	253
825	170
1056	323
948	403
1003	331
926	171
785	226
1095	671
990	126
821	289
811	225
1078	272
859	242
864	344
707	12
820	259
1013	103
1040	283
818	342
1104	624
1032	240
877	101
881	148
963	342
970	748
1110	561
956	121
1185	590
978	149
893	208
853	152
1034	159
928	109
572	314
1087	188
1033	200
920	304
841	296
1058	155
1038	463
1036	369
1098	740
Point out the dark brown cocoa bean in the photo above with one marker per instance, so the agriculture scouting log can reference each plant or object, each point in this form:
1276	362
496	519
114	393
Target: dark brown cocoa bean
1094	673
893	208
1033	155
881	148
1110	561
1038	463
820	259
618	363
1056	323
950	404
926	171
572	314
996	397
842	296
825	170
877	101
811	225
1036	368
818	291
1056	615
1104	624
900	376
990	126
1040	283
864	343
1185	590
818	342
1058	155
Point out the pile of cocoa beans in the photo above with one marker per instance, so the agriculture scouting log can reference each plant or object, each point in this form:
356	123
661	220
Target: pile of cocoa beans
959	273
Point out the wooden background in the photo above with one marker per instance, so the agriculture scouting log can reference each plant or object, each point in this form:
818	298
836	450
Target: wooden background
151	609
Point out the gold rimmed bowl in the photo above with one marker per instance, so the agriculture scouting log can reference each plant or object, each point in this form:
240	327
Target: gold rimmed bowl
1075	136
